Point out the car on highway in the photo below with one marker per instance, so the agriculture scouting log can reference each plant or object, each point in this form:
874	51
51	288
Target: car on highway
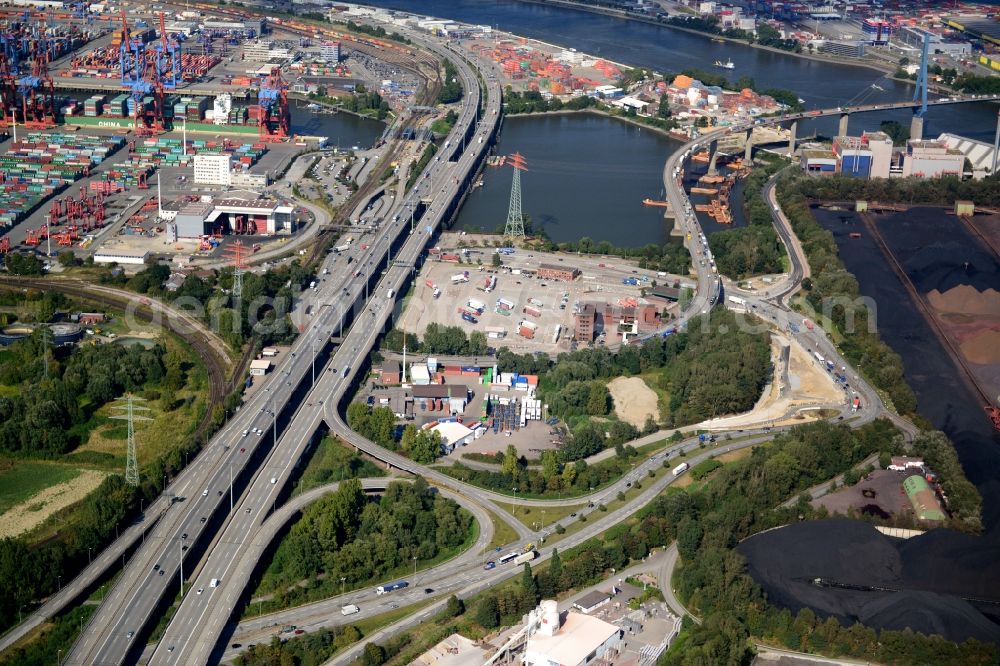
428	590
243	450
236	645
130	634
299	632
490	565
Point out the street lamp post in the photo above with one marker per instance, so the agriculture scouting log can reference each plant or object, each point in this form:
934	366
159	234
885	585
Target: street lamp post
513	509
89	559
230	487
180	545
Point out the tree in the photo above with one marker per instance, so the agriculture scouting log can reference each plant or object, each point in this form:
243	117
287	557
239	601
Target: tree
373	655
510	465
497	261
550	464
67	259
454	607
555	566
488	613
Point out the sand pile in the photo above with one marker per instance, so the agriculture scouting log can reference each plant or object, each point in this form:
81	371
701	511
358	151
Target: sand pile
634	400
966	299
982	348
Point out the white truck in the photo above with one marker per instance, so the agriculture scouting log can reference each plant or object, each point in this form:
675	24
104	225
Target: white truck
736	300
680	469
350	609
390	294
819	357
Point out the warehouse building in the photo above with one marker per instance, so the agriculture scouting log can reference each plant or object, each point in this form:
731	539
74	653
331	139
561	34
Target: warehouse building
120	257
227	216
556	272
455	396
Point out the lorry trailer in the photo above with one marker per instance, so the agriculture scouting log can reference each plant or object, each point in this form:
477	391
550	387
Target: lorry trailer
385	589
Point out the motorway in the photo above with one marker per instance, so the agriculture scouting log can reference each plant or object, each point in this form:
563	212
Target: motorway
134	599
204	485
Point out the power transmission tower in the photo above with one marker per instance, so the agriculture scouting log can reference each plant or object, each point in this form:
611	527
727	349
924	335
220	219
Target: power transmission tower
235	253
515	218
131	412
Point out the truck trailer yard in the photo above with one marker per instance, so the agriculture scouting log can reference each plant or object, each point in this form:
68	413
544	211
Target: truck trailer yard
523	304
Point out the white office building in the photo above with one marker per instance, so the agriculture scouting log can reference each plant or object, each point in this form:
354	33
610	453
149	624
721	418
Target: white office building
330	51
213	169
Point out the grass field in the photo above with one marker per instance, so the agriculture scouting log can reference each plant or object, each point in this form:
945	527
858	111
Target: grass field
20	480
502	532
331	461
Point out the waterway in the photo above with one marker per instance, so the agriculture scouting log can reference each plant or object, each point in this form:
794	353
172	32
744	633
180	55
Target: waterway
587	176
821	84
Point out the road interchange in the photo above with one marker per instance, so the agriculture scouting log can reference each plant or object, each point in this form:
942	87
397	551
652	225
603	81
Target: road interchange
266	409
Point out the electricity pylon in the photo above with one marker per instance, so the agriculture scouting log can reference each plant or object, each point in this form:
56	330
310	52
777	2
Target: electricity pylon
515	218
130	412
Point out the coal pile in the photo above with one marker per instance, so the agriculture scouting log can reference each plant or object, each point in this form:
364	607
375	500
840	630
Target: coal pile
938	583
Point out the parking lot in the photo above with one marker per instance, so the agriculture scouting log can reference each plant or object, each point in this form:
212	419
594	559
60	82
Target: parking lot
600	280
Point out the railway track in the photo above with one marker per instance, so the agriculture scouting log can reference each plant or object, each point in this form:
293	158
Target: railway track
218	365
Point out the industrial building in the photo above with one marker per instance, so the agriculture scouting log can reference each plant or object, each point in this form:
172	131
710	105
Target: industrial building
329	51
914	38
259	367
241	216
866	156
120	257
266	51
390	373
626	321
584	322
455	395
932	159
573	640
556	272
872	156
979	153
591	601
453	435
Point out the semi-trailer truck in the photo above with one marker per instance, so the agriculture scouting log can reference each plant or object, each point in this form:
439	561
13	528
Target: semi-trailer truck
385	589
680	469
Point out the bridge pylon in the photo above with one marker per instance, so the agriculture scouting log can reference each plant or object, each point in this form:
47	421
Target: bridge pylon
920	93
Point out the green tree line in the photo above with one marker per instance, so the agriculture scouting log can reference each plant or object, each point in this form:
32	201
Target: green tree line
347	535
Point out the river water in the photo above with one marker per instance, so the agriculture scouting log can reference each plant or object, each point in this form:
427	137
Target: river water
821	84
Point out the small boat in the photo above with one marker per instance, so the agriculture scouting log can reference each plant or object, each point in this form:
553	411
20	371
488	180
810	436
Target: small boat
801	101
718	40
313	107
725	65
653	202
878	87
